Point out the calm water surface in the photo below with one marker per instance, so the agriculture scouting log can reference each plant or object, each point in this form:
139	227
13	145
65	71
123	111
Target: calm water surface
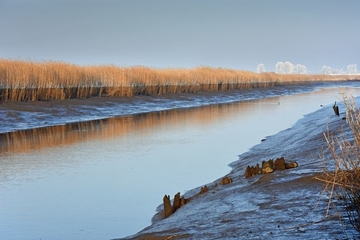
104	179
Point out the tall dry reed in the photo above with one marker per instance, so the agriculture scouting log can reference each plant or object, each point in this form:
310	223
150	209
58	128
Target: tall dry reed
34	81
342	171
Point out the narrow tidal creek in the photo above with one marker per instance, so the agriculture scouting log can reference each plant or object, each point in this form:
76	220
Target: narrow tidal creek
104	179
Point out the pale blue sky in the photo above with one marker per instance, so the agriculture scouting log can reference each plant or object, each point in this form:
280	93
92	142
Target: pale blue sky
184	33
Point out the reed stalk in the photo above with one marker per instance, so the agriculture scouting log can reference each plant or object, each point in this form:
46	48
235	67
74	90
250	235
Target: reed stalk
342	170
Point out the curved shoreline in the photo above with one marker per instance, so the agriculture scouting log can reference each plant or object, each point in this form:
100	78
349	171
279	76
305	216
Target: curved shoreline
281	204
30	115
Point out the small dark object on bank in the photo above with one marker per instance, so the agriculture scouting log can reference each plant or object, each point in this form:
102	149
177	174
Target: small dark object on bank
225	180
176	204
280	163
248	172
204	189
167	206
269	167
336	109
182	201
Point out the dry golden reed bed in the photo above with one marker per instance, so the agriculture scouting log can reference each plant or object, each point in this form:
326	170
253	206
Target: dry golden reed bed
36	81
342	170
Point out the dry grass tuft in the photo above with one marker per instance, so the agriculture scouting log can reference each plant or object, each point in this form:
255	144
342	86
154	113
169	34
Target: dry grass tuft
46	80
342	171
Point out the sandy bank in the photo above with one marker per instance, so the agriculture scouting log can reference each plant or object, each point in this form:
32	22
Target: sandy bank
283	205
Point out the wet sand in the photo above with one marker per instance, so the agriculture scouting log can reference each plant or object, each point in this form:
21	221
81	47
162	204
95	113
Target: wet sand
285	204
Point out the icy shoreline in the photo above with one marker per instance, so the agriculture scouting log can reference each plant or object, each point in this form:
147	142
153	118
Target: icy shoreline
28	115
283	205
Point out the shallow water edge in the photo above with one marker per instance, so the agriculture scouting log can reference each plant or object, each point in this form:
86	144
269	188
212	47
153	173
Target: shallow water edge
285	204
28	115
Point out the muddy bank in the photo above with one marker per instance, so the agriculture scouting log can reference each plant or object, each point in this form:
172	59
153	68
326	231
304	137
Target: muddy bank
282	205
28	115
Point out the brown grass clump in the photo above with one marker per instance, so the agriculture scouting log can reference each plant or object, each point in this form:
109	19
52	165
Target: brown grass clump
46	80
342	172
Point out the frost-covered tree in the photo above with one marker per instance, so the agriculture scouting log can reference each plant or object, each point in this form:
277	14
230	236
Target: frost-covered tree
326	70
288	68
279	67
352	69
260	68
329	70
299	69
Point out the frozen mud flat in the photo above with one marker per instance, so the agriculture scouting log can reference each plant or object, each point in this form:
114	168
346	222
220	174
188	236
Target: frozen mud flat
283	205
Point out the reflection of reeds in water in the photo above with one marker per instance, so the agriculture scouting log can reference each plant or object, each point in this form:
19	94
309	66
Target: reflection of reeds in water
33	81
32	139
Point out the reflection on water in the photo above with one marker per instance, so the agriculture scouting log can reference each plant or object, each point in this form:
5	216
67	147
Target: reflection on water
104	179
32	139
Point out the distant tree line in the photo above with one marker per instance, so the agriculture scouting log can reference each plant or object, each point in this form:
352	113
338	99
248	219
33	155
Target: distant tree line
290	68
351	69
